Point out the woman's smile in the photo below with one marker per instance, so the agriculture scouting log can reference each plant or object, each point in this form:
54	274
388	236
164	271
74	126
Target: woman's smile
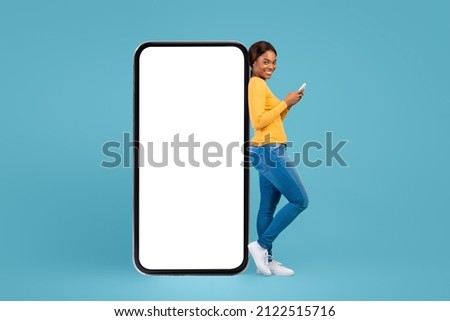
265	65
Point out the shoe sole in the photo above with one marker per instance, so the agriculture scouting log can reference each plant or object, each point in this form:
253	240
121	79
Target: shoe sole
275	274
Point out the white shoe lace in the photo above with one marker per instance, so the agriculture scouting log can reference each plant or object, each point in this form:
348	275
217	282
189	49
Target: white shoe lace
266	258
273	261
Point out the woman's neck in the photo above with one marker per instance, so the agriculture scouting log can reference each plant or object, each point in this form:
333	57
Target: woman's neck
253	75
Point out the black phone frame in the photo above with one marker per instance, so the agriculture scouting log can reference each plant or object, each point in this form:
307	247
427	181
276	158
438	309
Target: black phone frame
136	145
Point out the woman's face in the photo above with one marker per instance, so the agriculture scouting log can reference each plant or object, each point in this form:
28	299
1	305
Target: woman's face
265	65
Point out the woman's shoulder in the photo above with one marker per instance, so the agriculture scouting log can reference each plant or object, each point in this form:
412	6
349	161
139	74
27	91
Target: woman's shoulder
257	82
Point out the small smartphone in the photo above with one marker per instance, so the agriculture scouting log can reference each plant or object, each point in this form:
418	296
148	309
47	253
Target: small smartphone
302	87
191	184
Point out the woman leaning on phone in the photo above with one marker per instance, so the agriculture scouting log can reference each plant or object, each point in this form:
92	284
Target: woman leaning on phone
277	174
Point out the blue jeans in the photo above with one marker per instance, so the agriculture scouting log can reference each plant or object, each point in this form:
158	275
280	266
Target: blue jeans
277	176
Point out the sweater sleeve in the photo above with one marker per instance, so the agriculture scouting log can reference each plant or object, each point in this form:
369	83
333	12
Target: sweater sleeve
284	113
256	99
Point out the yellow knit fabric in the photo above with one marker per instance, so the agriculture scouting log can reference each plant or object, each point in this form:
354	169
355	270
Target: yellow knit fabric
266	113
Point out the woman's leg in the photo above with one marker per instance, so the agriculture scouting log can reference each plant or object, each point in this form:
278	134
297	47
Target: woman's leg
270	196
286	179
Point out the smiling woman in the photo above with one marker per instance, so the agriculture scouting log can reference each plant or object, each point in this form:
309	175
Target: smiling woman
277	173
264	63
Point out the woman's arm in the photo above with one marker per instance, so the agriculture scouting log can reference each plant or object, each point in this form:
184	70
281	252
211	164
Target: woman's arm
284	113
260	117
296	96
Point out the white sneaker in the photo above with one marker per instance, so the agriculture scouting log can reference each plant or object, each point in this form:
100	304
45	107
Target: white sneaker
277	268
261	257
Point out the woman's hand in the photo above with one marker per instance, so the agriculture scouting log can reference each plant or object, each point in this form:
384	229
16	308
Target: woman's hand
292	98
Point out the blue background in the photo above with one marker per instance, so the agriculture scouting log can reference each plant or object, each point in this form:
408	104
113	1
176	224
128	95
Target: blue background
378	76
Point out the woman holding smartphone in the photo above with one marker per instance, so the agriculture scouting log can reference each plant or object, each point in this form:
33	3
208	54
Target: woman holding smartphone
277	174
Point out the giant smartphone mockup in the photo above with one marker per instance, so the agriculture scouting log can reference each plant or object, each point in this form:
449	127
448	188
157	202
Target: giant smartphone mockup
190	182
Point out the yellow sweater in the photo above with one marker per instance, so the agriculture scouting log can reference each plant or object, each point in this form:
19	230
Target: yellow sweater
266	113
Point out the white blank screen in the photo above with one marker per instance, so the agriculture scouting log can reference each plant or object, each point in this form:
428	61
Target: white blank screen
191	217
